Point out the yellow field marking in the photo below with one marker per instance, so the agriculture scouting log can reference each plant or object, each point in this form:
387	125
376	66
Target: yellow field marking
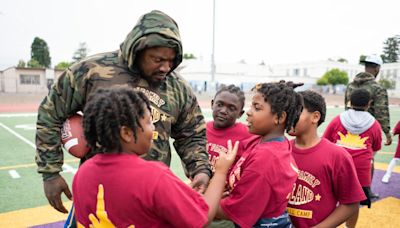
383	152
32	164
383	166
383	214
33	216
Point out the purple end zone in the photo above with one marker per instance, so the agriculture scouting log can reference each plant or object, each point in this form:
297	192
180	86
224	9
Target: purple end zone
386	190
51	225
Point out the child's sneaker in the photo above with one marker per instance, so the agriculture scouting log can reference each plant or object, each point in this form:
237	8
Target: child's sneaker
385	178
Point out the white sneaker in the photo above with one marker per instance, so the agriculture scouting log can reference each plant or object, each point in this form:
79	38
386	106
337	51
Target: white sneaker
385	178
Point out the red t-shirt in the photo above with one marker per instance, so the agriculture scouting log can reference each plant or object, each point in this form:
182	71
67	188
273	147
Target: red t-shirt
262	180
136	192
361	147
327	176
396	131
217	140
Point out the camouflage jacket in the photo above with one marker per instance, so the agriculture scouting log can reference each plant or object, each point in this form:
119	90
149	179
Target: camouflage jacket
175	109
379	106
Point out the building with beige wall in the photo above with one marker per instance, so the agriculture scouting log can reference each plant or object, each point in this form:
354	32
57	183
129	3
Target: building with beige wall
27	80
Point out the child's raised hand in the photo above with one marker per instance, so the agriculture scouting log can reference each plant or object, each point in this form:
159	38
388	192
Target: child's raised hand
225	160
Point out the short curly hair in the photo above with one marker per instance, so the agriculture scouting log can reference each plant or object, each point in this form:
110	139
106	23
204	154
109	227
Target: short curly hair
107	110
359	99
234	90
314	102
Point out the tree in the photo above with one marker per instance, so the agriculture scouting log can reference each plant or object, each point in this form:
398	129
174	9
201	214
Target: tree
391	50
33	63
334	77
40	52
323	81
387	83
189	56
81	52
62	65
21	63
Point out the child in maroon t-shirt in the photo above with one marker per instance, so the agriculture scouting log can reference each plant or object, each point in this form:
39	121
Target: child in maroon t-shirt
327	191
262	178
357	131
396	159
117	188
227	107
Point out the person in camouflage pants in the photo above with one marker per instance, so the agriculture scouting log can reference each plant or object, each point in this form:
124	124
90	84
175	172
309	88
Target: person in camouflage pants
146	61
379	107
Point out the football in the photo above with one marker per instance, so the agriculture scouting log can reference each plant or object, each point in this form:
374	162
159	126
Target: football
73	138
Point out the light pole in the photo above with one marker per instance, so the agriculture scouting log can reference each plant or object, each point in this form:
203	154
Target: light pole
213	48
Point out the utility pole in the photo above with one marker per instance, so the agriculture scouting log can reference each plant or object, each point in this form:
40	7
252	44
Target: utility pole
213	48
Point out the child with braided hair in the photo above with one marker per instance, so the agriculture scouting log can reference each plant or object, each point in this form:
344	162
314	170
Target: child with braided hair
132	192
263	177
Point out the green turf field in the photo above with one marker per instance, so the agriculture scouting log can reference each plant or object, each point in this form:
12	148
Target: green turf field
21	186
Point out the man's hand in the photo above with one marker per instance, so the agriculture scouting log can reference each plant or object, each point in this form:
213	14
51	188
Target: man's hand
200	182
53	189
388	139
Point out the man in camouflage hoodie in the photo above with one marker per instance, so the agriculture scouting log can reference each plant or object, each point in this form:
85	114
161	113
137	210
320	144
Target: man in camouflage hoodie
146	61
379	107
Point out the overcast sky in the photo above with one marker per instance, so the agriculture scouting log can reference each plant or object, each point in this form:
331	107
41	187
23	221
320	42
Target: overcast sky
283	31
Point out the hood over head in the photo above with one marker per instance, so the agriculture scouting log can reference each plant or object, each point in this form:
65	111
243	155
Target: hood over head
363	77
154	29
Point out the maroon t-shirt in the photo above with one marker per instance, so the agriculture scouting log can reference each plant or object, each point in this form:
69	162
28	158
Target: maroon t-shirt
136	192
396	131
262	180
217	140
361	147
327	176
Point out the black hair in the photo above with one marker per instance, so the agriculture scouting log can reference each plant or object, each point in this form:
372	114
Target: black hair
232	89
107	111
359	99
314	102
282	98
370	65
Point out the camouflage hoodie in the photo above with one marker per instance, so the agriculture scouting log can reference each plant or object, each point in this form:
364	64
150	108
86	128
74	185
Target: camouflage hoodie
380	106
175	109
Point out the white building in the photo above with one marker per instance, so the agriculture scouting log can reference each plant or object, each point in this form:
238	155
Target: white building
245	75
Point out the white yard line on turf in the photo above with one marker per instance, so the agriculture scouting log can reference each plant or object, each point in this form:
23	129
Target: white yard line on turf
18	135
11	115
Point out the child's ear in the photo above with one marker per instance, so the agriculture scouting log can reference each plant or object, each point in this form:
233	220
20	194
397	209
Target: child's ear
212	103
281	119
316	116
126	134
369	105
240	114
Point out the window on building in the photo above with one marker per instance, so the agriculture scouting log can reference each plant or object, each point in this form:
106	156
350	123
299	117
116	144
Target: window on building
296	72
27	79
305	72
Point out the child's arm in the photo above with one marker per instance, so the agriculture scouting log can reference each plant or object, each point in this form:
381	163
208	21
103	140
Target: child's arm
396	129
216	187
339	215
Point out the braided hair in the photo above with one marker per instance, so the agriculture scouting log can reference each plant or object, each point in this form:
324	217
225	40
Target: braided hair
232	89
282	98
107	111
